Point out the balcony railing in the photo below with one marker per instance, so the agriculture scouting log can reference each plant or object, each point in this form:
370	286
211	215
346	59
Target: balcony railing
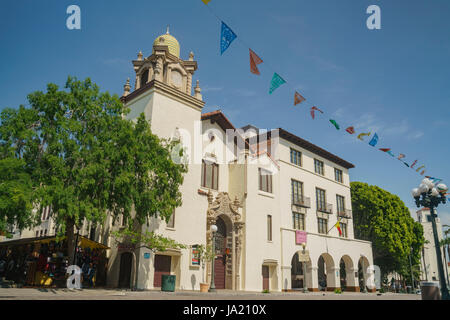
302	202
345	213
325	207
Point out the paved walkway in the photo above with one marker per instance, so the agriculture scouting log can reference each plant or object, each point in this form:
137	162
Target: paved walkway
114	294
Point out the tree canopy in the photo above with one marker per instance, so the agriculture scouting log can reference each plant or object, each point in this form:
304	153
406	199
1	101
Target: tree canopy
383	219
74	150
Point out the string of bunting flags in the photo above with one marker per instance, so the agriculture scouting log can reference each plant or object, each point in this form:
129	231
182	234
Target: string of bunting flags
227	36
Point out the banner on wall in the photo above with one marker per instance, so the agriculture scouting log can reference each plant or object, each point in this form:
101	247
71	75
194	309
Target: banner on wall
300	237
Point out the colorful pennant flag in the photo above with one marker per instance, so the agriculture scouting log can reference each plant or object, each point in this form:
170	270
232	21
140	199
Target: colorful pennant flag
390	153
406	164
401	156
335	124
414	163
385	149
422	172
420	168
276	82
312	111
206	1
254	61
362	135
226	37
350	130
374	140
298	98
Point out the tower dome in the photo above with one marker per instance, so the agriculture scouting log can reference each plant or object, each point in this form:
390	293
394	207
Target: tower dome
170	41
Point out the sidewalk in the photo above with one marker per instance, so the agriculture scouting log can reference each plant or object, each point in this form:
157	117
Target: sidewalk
116	294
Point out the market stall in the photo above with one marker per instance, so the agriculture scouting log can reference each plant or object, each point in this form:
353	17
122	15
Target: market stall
43	261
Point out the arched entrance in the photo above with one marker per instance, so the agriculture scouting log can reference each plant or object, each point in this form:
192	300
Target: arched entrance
363	264
220	263
325	272
297	276
126	262
346	274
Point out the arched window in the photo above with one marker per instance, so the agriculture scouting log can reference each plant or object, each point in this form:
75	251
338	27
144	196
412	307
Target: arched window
144	78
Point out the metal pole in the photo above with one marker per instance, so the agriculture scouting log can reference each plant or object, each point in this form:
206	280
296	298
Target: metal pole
305	289
212	288
444	290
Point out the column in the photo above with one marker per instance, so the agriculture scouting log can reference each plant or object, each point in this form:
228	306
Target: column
352	279
333	278
312	280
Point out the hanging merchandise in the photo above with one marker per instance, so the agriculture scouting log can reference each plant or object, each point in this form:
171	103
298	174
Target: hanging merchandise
226	37
276	82
335	124
350	130
374	140
316	109
254	61
298	98
361	135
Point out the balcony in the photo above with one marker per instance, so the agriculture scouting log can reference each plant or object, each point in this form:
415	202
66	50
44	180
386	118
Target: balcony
302	202
325	207
344	213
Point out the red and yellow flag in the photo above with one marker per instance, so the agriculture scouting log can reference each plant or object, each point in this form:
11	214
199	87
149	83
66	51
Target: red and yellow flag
338	226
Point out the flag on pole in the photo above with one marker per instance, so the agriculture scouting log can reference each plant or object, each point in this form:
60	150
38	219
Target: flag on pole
312	111
206	1
254	61
298	98
226	37
362	135
374	140
338	226
335	124
350	130
276	82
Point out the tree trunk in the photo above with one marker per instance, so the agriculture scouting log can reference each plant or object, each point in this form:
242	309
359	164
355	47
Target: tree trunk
70	236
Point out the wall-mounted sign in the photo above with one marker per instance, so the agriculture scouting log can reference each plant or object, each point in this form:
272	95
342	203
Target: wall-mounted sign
300	237
195	259
303	256
147	255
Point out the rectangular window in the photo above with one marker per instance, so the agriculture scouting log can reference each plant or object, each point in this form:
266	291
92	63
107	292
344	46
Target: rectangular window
299	220
41	232
318	166
340	202
171	223
297	191
296	157
265	180
338	175
343	227
269	228
321	200
210	175
322	225
37	234
45	232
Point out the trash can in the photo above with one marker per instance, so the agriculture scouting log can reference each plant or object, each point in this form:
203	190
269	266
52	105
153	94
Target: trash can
430	290
168	283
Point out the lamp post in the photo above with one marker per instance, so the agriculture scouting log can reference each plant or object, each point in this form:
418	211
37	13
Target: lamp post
305	288
430	196
212	287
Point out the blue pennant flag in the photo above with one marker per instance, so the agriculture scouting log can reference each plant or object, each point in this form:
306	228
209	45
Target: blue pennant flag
226	37
374	140
276	82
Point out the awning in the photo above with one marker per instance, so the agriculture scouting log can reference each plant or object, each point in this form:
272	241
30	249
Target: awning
83	242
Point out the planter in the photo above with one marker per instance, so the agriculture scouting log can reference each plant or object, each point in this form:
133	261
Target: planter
204	287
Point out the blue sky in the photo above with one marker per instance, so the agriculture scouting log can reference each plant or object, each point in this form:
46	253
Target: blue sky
394	81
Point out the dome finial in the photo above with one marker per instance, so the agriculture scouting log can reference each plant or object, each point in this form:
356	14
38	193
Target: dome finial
167	30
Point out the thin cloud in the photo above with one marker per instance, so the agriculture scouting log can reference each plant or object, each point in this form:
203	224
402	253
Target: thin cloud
211	89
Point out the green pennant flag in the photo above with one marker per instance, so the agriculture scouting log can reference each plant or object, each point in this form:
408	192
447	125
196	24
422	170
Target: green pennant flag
276	82
335	124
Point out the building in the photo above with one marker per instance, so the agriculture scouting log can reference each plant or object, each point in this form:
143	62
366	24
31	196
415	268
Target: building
428	264
267	192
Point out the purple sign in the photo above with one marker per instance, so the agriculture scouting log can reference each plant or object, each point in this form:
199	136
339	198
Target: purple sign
300	237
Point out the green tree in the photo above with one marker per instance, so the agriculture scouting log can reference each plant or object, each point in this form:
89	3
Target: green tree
383	219
86	160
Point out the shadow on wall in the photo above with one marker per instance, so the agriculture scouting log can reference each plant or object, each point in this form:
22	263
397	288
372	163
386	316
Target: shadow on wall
193	281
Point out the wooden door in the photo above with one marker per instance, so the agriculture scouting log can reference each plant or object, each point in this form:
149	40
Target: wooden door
219	272
126	260
265	275
162	266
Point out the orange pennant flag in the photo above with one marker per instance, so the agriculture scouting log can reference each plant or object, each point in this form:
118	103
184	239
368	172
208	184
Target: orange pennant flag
254	61
206	1
298	98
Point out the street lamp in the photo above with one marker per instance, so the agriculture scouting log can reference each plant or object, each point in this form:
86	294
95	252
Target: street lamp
212	287
305	288
430	196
